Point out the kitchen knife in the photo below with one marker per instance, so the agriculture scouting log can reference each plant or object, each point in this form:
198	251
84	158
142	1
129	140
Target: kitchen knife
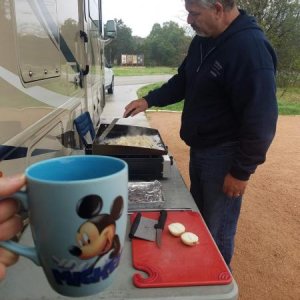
159	226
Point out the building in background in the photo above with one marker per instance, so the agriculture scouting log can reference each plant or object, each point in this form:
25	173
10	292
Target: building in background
132	60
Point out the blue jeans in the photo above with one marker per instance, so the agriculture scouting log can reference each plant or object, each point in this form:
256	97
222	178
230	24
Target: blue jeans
208	168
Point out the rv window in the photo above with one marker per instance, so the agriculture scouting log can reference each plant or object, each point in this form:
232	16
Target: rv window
37	35
94	12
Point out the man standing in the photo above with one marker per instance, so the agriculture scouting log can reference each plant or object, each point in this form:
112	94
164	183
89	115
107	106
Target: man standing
230	110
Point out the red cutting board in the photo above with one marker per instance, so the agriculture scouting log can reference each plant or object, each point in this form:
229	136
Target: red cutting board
176	264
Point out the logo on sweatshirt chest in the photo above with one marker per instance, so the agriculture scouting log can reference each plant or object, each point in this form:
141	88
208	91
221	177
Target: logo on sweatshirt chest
216	69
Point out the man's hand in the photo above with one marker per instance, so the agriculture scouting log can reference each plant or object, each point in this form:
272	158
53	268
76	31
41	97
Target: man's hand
10	223
135	107
233	187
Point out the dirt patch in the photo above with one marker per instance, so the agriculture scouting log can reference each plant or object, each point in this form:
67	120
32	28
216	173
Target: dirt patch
266	262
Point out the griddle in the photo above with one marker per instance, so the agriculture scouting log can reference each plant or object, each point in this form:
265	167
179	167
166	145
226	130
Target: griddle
99	147
143	163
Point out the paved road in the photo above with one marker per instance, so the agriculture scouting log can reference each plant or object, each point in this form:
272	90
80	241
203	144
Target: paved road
124	92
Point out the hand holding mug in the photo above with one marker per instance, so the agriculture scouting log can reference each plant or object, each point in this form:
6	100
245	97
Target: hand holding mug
78	215
10	223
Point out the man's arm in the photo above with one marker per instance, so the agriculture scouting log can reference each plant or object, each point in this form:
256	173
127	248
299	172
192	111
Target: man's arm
170	92
255	106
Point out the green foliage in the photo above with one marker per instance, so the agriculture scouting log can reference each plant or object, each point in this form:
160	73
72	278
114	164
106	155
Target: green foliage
165	46
280	19
124	43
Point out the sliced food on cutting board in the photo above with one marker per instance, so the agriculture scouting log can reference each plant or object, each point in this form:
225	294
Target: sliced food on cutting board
189	238
176	229
156	268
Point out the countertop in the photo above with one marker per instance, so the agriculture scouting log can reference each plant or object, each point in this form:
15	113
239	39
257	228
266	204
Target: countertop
26	281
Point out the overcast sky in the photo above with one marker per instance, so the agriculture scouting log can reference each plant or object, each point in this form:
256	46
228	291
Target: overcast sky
140	15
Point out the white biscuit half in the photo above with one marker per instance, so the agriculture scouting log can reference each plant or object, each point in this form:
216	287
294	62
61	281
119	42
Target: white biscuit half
189	238
176	229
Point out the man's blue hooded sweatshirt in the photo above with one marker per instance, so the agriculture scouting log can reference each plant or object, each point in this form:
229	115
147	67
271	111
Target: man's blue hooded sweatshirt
228	84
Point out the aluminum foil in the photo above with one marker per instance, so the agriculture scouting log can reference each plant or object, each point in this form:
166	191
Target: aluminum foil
145	195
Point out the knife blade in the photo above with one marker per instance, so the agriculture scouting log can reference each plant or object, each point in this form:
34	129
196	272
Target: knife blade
159	226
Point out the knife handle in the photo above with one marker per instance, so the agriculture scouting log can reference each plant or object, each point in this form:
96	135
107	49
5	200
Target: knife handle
162	220
135	225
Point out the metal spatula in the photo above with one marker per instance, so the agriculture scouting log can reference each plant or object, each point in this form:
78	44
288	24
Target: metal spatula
108	129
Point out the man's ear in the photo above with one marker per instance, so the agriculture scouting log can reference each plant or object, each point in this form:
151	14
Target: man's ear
219	9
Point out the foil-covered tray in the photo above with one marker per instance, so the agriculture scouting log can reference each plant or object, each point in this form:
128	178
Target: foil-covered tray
145	195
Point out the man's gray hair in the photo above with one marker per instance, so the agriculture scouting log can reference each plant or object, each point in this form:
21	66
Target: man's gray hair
227	4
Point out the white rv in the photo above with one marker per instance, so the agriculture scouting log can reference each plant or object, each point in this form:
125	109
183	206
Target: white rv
51	71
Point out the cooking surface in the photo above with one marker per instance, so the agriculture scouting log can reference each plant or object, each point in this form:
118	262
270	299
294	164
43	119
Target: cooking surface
176	264
118	131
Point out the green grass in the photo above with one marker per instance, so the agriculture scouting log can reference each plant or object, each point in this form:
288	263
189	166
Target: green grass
140	71
143	91
288	103
288	109
137	71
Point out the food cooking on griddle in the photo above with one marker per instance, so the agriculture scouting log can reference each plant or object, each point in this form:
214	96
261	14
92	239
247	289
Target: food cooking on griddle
144	141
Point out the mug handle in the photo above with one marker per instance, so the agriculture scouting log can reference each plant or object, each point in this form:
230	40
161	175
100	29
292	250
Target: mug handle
29	252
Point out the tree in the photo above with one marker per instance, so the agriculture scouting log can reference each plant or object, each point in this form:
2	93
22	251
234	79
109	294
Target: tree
166	45
124	43
280	21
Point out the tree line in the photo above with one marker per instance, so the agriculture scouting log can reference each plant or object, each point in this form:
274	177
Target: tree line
167	44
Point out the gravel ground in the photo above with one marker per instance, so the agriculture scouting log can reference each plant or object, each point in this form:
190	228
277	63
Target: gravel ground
266	262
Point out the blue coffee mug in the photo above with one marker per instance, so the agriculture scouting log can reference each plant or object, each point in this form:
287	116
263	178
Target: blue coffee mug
78	214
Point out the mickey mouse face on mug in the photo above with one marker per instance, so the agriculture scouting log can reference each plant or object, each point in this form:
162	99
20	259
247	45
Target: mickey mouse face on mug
97	236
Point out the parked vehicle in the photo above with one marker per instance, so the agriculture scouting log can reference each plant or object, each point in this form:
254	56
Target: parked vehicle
51	71
109	78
